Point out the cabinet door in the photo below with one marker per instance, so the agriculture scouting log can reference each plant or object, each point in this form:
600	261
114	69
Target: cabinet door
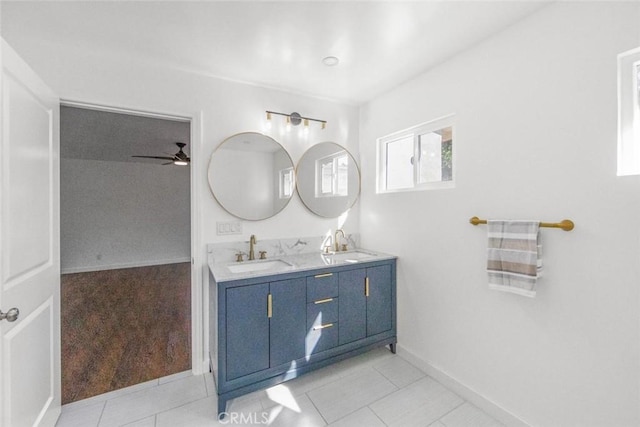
352	308
288	320
379	299
247	330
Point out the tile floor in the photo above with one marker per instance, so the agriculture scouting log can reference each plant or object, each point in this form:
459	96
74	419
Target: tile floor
375	389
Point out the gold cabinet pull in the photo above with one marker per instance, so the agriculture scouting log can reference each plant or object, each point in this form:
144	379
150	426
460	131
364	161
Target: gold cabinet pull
328	325
366	286
318	276
269	306
322	301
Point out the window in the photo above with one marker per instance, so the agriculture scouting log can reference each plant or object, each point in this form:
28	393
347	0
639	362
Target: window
332	175
286	183
629	113
417	158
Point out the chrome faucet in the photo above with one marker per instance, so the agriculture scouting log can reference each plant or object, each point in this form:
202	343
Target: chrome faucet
336	244
252	242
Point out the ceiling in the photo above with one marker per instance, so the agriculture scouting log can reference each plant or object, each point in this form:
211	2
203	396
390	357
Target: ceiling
280	45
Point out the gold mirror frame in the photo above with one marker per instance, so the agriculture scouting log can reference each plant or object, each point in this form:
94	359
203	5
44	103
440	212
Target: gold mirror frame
242	188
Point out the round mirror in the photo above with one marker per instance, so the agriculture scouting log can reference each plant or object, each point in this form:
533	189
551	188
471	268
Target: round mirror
328	179
251	176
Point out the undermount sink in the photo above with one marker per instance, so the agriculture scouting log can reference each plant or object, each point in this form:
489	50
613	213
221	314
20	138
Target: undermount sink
250	267
352	256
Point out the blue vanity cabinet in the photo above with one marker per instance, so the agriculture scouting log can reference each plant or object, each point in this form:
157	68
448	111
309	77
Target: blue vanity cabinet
267	330
287	324
265	326
247	331
366	303
379	300
353	306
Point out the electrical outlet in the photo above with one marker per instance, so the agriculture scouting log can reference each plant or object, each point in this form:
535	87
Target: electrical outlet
228	227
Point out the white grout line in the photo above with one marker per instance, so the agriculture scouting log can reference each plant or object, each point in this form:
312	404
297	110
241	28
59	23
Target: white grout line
127	390
104	405
317	410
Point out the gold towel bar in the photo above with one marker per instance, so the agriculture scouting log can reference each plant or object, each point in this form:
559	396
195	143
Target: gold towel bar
565	224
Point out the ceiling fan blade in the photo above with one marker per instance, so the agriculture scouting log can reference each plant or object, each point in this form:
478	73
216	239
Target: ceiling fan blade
155	157
168	163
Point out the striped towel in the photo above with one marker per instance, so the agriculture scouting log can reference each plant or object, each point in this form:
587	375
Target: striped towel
514	253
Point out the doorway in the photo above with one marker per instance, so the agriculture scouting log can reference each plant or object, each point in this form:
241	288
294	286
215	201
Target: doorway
125	249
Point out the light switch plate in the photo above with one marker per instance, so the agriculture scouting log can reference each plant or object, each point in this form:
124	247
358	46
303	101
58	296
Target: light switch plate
228	227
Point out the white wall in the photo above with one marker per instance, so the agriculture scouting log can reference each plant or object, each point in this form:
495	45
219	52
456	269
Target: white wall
122	214
536	139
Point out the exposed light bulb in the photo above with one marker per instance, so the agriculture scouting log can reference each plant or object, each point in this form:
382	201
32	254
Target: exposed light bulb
288	127
180	163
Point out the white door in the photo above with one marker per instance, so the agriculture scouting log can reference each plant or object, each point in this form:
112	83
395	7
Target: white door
29	246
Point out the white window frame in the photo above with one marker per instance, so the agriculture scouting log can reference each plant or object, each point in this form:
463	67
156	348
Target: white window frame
286	191
333	160
629	113
415	132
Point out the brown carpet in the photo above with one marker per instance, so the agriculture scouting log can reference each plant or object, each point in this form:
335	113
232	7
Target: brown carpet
123	327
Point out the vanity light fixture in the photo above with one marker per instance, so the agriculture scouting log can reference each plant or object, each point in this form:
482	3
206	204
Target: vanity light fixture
295	119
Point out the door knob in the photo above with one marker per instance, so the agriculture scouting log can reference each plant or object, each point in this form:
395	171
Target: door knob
11	315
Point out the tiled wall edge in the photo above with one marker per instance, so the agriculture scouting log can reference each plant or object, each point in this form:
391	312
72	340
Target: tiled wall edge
467	393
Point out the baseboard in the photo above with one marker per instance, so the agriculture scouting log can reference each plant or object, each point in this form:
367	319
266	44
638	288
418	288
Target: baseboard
123	265
467	393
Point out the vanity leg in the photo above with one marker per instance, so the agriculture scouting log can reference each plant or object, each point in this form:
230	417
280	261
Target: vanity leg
392	347
222	407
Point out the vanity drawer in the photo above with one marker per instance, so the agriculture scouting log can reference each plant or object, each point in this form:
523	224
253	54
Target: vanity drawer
324	310
321	286
321	338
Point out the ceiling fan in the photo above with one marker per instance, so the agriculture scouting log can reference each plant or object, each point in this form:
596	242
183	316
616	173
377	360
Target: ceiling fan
180	158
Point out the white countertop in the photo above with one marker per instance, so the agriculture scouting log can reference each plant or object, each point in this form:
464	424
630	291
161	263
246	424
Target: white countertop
292	263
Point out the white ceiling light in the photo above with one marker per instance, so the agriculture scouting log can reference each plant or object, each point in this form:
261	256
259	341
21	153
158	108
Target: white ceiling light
330	61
